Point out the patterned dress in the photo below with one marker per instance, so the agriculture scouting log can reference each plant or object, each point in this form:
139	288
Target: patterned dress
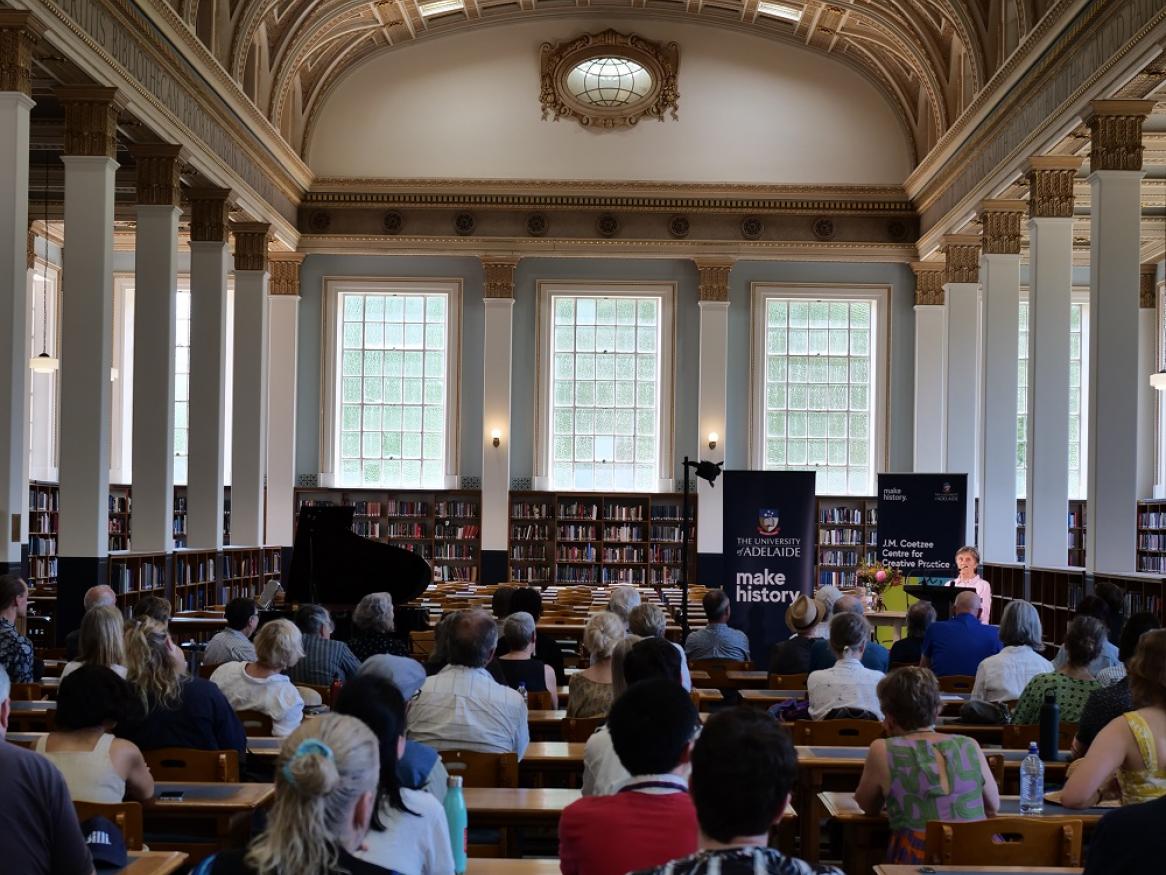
917	796
1071	695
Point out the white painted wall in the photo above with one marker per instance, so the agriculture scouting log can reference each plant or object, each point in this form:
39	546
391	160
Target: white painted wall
751	110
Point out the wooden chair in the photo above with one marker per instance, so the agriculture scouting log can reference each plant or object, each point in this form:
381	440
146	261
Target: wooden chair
421	643
1020	736
539	701
957	683
1005	841
787	681
126	816
255	723
479	769
187	764
717	669
837	733
580	728
26	692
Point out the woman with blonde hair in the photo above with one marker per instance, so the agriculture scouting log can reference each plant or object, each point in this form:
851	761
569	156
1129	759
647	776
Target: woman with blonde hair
590	692
181	711
262	685
325	795
372	628
100	641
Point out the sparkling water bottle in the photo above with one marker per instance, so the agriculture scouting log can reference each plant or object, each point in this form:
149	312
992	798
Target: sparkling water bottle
1032	782
456	817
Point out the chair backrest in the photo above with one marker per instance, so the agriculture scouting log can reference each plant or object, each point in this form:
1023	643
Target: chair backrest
255	723
837	733
957	683
895	665
539	701
1018	736
205	671
1005	841
580	728
26	692
717	669
188	764
787	681
479	769
126	816
421	643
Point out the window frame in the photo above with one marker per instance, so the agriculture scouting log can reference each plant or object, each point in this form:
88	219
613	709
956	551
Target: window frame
45	433
545	292
760	293
331	347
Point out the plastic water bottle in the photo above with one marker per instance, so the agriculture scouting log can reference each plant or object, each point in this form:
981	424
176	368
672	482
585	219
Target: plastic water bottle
1032	782
455	816
522	692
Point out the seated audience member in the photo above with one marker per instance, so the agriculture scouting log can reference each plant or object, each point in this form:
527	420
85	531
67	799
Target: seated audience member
1003	676
41	833
409	833
233	644
518	665
462	707
154	607
500	602
875	657
792	656
546	648
100	641
828	595
95	597
1108	657
590	689
1128	841
324	660
717	640
1115	601
97	767
622	600
921	774
958	646
1114	700
651	819
743	769
1134	744
16	652
909	650
1126	646
261	685
403	672
648	621
372	628
325	796
848	685
1070	684
180	711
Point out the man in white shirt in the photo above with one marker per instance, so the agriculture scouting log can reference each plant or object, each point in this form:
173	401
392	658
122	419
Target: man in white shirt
848	683
462	707
233	644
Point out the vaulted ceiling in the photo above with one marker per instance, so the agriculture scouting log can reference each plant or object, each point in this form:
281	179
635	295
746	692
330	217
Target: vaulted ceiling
929	57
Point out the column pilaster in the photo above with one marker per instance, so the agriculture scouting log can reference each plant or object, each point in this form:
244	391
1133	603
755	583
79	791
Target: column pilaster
930	368
961	294
712	414
283	328
496	374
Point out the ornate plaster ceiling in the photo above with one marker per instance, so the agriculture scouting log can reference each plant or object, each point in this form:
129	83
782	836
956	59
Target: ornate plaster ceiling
929	57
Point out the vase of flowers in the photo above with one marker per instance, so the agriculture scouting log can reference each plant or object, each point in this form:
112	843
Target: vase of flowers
877	578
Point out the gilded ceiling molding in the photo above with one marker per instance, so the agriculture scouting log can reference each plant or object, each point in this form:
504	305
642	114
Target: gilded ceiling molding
251	245
19	34
208	215
1050	185
1147	294
1115	133
90	120
158	168
961	258
284	269
714	279
1000	221
928	283
499	281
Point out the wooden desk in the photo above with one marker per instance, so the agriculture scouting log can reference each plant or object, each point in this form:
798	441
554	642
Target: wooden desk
748	680
546	725
484	866
153	863
766	698
35	715
888	869
203	798
508	808
986	733
893	619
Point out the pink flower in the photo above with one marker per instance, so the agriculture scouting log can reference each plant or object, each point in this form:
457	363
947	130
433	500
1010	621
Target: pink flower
881	576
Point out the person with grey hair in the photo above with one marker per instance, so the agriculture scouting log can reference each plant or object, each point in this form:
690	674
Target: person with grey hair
717	640
518	664
95	597
324	660
909	650
372	628
621	600
847	685
261	685
649	621
462	707
875	657
1003	676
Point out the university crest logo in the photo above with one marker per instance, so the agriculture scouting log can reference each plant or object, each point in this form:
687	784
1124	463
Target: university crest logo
769	521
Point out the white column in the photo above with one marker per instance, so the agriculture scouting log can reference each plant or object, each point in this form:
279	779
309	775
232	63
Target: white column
1000	297
961	297
1147	396
283	328
711	414
1050	232
155	308
249	422
497	348
930	369
1115	181
208	353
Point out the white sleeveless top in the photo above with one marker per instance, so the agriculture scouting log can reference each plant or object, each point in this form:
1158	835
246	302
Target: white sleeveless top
89	775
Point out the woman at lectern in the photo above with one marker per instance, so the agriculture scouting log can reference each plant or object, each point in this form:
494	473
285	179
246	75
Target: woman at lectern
967	560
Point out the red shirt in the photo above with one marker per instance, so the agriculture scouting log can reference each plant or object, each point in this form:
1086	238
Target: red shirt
613	835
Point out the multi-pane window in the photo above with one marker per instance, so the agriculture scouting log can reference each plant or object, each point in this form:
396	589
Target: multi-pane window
394	350
182	386
818	390
605	404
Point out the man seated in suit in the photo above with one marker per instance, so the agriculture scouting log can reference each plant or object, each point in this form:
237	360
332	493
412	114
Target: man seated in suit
875	657
958	646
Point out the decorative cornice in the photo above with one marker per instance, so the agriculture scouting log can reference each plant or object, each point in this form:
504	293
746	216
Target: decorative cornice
962	258
1000	221
208	215
1147	296
158	169
19	32
90	120
284	269
714	279
928	283
1115	133
251	245
499	282
1050	185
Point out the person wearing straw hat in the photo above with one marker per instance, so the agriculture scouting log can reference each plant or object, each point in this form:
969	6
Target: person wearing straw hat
803	617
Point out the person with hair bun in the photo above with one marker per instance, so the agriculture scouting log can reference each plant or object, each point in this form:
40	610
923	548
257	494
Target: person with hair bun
1072	682
325	795
590	690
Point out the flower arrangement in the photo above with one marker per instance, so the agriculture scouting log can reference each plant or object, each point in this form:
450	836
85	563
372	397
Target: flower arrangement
877	578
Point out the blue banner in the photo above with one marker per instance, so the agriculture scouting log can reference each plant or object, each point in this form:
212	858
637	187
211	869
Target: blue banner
769	521
922	522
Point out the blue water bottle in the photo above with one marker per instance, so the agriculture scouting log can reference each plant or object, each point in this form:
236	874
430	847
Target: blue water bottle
455	816
1032	782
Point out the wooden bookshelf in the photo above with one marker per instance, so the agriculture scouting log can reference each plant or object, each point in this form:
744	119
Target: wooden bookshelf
1055	593
1075	529
1152	536
1007	580
847	534
44	503
1144	592
207	578
180	516
120	507
133	576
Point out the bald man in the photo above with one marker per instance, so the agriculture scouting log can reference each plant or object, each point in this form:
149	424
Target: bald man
95	597
958	646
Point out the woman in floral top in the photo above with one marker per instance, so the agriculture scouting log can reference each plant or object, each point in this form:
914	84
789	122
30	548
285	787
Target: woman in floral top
16	654
1070	684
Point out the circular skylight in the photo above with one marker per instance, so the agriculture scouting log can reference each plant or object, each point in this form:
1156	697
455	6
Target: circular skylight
609	82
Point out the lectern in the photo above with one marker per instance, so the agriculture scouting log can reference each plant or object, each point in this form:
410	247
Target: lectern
941	597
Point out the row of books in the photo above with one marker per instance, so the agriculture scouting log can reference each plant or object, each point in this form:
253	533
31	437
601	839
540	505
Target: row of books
457	509
530	573
530	511
585	553
633	576
537	552
623	554
529	533
467	573
623	512
139	577
40	545
847	516
460	533
44	499
623	533
450	551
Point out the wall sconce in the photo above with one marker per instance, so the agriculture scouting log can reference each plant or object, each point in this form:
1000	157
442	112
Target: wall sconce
1158	381
496	435
713	436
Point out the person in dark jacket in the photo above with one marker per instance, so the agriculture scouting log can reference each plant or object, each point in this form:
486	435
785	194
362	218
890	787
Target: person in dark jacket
909	650
792	656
